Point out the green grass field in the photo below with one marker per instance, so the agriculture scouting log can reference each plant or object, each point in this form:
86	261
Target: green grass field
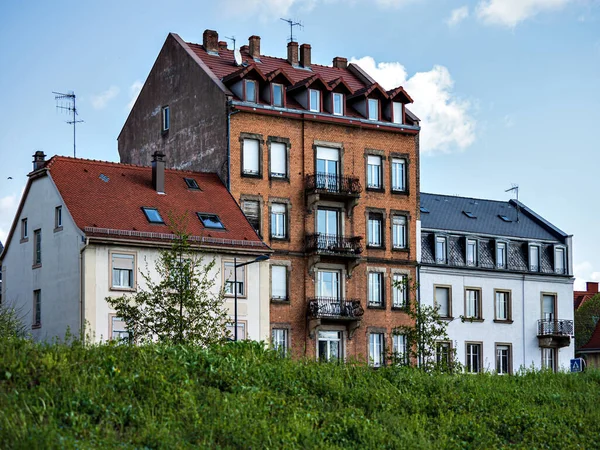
241	396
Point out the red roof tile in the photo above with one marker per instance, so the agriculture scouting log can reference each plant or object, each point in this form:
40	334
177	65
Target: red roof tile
594	342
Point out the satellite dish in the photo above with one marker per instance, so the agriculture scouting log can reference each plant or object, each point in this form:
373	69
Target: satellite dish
238	57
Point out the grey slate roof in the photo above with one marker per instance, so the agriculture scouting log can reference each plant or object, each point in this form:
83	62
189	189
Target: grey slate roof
446	213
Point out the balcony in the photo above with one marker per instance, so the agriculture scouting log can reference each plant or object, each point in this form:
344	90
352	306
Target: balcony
324	186
334	245
334	310
555	333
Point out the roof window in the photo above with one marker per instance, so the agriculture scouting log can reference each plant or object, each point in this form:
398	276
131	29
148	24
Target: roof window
210	221
153	215
424	210
469	214
191	183
104	178
505	218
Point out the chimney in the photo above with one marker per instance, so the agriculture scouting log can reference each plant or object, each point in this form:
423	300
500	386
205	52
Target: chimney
340	63
293	53
591	287
158	172
244	49
305	55
39	159
210	40
222	45
254	44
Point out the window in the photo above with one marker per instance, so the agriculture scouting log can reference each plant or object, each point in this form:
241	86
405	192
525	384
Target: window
400	349
473	303
279	283
375	230
473	362
191	184
471	252
559	260
229	277
549	358
548	306
328	284
37	247
37	308
534	258
469	214
440	250
397	112
374	172
241	329
166	118
442	301
251	209
501	255
376	350
503	361
118	329
251	159
399	232
328	162
338	104
502	306
153	215
278	220
277	94
278	160
399	290
376	289
504	218
123	270
442	353
315	100
251	91
211	221
373	109
279	340
398	175
58	217
423	210
329	346
24	230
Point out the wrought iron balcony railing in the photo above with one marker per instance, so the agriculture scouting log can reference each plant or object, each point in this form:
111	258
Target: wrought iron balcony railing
333	184
333	244
555	327
334	308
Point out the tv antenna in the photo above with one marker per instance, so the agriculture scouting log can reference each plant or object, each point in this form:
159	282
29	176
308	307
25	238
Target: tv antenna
515	188
66	102
232	39
293	24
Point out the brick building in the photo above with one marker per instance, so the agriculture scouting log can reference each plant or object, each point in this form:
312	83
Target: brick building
325	164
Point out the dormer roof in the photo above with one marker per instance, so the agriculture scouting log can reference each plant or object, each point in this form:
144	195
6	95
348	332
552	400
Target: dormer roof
399	95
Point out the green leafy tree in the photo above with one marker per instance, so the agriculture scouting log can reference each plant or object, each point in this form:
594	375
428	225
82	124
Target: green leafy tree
586	318
11	322
183	306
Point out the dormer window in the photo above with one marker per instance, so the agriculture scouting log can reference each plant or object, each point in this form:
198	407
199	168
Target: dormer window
559	260
251	91
277	94
441	257
534	258
338	104
397	112
373	109
314	100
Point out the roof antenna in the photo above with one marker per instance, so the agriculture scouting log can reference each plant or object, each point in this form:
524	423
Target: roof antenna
232	39
515	187
67	103
292	25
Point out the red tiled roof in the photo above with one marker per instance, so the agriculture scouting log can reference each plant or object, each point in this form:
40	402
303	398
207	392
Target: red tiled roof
594	342
116	204
579	298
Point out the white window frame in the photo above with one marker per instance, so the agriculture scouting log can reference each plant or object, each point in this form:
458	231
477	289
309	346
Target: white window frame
474	261
279	293
228	283
397	117
563	260
473	360
502	306
501	249
326	336
37	247
339	95
398	174
400	292
376	349
58	217
117	274
280	340
374	172
503	361
373	115
534	266
255	84
37	308
277	147
399	231
273	87
247	157
165	118
278	220
24	229
437	304
473	303
376	289
375	230
115	334
400	349
311	106
548	358
443	258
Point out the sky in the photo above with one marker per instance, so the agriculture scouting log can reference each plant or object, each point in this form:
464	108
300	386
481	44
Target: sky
508	90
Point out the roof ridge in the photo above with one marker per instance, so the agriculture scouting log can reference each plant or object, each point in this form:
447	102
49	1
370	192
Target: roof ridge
467	198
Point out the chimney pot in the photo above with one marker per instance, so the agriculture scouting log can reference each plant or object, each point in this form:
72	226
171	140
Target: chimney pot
244	49
210	40
592	286
39	159
158	172
222	45
254	45
340	63
292	52
305	55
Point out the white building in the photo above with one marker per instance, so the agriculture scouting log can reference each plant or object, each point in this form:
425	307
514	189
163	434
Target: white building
85	230
503	278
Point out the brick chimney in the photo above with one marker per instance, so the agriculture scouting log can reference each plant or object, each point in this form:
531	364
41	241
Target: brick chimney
254	44
340	63
591	287
222	45
293	53
305	55
39	159
210	40
158	172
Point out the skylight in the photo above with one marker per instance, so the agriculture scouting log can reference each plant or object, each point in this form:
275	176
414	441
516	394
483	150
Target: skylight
191	183
210	221
104	178
424	210
153	215
503	217
469	214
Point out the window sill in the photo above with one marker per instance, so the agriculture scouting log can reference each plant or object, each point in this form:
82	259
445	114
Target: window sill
285	179
374	189
37	326
448	318
395	192
36	266
280	239
508	321
471	319
22	241
401	249
375	306
403	309
375	247
57	229
280	301
252	175
239	297
121	289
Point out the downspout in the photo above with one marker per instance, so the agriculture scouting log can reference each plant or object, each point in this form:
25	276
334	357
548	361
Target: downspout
230	113
82	290
420	344
523	319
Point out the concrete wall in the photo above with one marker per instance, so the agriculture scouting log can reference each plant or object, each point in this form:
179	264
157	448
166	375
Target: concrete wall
526	311
57	277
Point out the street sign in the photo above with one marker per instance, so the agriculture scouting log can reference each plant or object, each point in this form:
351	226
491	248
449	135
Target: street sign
577	365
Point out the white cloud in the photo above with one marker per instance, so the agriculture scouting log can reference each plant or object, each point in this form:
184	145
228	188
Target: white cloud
446	119
8	208
509	122
457	16
509	13
100	101
584	272
134	91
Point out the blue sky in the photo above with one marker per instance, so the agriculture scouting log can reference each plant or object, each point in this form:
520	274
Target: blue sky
508	90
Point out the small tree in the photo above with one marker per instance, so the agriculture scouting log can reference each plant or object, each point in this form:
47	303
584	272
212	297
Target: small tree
11	322
183	306
586	318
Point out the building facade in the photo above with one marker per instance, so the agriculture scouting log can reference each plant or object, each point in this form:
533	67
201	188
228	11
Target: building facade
590	351
324	163
502	277
86	230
